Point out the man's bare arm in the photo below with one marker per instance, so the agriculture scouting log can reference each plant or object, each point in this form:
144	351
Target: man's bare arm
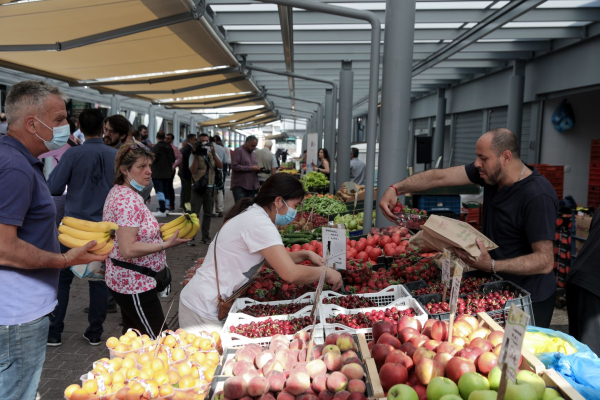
541	261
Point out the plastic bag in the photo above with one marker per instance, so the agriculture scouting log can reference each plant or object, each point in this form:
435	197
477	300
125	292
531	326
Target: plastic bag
541	341
94	270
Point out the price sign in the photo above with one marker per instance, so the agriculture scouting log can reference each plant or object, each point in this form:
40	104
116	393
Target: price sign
514	333
446	267
334	247
455	288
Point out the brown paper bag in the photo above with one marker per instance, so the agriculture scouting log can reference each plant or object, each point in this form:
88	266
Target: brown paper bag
442	233
418	240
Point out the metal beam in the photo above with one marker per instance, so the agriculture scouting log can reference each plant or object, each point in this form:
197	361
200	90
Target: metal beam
440	127
175	91
223	99
344	124
296	110
236	103
286	21
293	98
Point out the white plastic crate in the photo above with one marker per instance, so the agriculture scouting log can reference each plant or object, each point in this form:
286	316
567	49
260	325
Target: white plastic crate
234	340
382	298
402	304
243	302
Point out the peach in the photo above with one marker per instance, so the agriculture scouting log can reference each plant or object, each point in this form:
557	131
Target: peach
333	361
353	371
348	354
326	395
319	383
331	339
258	386
276	381
357	385
235	387
341	395
297	383
345	342
337	382
249	374
316	368
283	395
331	348
262	358
242	366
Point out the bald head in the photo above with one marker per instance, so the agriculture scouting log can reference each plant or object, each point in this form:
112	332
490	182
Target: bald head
501	140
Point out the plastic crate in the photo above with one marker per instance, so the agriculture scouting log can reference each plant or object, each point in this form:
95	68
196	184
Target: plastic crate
402	304
243	302
523	301
235	340
382	298
356	234
412	286
439	203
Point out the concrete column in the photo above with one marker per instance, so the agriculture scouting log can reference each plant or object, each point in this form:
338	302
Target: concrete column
395	98
115	105
328	132
440	124
515	98
319	124
193	126
152	123
345	124
176	127
410	161
330	145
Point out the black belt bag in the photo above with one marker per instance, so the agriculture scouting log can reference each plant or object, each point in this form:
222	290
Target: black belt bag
162	278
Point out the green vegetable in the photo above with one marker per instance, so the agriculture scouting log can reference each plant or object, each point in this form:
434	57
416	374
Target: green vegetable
298	235
289	229
324	206
298	241
315	180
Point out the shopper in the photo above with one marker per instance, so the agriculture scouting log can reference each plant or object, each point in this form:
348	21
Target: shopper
30	257
519	215
171	190
88	172
219	177
227	159
583	290
162	168
244	181
116	130
248	239
357	168
138	243
185	174
77	134
143	130
323	166
205	161
3	124
266	162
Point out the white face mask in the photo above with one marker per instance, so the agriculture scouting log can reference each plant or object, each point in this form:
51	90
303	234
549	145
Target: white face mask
60	136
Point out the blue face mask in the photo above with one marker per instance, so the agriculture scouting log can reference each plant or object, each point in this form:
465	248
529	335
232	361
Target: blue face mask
286	219
134	184
60	136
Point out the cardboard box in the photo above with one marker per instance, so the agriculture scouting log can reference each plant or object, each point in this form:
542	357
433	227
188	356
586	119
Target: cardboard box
578	246
582	226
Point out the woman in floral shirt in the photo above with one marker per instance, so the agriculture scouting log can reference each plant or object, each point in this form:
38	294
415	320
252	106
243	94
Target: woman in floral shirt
138	242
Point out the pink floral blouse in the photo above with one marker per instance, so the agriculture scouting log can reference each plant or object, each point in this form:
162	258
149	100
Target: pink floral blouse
126	208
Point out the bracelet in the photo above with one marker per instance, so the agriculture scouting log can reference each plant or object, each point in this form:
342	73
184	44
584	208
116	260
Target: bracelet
66	259
493	265
394	187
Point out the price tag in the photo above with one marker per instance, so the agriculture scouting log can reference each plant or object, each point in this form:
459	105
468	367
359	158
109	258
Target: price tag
455	288
446	267
334	247
514	333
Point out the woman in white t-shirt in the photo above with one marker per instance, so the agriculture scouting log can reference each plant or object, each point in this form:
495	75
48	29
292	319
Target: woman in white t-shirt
248	239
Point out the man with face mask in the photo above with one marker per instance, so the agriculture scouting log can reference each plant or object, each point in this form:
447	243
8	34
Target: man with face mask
519	215
30	255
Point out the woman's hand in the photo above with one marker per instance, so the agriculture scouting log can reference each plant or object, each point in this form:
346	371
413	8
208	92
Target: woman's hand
314	165
174	241
334	279
314	258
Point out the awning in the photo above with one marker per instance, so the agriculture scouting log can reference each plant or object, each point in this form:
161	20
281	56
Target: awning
239	117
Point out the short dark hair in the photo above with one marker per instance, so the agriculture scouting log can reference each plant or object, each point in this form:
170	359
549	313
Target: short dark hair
171	136
218	138
119	123
204	134
354	151
251	138
91	122
160	135
3	118
136	135
190	136
141	127
502	140
211	139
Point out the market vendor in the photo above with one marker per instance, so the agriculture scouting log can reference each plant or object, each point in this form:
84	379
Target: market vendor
247	240
519	215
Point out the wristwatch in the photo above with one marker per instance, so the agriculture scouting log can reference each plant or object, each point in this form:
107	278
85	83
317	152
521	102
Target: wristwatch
493	265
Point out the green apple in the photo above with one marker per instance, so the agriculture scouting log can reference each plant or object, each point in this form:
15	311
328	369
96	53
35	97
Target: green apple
402	392
471	381
450	397
550	393
483	395
494	378
536	381
439	387
520	391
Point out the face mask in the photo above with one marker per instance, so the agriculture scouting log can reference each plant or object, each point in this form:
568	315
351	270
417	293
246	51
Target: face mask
60	136
286	219
134	184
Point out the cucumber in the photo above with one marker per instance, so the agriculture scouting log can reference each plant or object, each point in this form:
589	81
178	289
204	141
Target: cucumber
298	235
298	241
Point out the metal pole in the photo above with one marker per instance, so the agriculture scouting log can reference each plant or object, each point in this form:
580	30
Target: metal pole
440	125
331	145
193	126
515	98
319	125
345	124
411	145
329	129
395	101
152	123
176	127
114	105
292	98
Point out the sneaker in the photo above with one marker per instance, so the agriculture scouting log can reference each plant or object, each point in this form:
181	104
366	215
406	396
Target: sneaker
215	215
92	341
220	214
191	243
206	240
53	342
159	214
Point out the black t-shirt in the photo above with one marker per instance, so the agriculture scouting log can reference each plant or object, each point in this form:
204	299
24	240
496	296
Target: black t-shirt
586	272
516	216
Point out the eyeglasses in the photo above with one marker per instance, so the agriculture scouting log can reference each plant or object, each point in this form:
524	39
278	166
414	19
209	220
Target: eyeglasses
110	131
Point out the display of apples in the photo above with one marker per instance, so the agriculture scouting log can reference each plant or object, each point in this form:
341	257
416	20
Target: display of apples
281	370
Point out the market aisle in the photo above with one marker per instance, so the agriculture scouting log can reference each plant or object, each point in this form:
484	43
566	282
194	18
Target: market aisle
65	364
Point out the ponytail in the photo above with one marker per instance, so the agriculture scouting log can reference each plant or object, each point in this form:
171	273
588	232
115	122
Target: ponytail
238	208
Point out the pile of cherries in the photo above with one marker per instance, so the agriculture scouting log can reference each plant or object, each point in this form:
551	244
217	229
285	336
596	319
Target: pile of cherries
350	302
365	280
367	319
271	327
474	303
467	285
266	310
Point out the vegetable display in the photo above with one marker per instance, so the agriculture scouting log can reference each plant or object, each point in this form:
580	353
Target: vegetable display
324	205
314	180
352	222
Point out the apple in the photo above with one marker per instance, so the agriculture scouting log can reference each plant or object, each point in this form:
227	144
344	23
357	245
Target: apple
447	347
439	387
380	352
443	358
432	344
427	369
408	348
409	322
471	354
536	381
520	391
381	327
479	333
407	333
421	353
483	395
439	331
471	320
331	347
495	338
392	374
457	367
388	338
419	341
460	341
470	382
402	392
451	397
496	350
398	357
494	378
427	332
486	362
482	344
550	393
461	329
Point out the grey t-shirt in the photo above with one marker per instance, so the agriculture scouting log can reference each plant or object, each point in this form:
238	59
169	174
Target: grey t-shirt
357	171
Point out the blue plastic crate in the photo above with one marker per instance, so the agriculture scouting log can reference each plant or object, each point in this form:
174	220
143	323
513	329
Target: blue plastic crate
439	203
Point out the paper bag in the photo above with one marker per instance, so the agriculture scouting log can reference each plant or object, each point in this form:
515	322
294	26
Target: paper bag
418	240
442	233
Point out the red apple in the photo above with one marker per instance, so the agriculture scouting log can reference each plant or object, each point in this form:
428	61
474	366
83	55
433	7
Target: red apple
439	331
421	391
471	320
419	341
392	374
479	333
461	329
443	358
409	322
380	352
412	379
460	341
407	333
486	362
447	347
482	344
496	349
495	338
381	327
388	338
421	353
398	357
457	366
432	345
470	354
427	332
408	348
427	369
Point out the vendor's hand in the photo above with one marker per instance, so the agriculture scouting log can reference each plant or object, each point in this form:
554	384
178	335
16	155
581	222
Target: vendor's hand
81	255
485	260
255	168
314	258
388	202
174	241
334	279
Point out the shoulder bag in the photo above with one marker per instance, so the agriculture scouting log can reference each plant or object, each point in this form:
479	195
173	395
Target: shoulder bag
224	305
162	278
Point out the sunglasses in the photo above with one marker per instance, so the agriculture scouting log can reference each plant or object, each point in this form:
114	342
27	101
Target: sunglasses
137	147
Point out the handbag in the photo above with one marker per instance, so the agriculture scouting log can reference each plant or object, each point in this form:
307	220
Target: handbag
224	305
162	278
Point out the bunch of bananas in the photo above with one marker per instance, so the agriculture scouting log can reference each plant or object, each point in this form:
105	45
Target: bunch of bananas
288	171
76	233
187	224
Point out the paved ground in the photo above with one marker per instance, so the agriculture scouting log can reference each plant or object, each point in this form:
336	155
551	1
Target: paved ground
65	364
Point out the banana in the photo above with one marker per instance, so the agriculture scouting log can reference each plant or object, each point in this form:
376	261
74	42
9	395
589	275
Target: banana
195	229
71	242
186	229
107	248
172	230
89	226
83	235
176	222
